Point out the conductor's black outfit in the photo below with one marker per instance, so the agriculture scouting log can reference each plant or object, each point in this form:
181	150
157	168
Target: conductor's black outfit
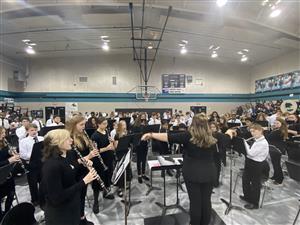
61	190
199	172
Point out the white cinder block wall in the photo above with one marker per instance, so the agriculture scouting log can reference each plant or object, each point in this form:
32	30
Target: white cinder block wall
61	74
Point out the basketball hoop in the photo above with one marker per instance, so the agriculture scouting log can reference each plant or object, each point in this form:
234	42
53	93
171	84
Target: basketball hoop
146	97
146	93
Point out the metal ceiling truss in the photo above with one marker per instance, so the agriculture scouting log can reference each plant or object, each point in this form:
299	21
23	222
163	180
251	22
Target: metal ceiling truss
142	56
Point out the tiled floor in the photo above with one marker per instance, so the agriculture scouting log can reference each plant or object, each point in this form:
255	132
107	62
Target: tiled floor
280	207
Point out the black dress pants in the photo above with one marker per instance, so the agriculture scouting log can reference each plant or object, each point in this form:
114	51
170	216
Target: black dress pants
34	179
252	180
200	202
141	154
275	155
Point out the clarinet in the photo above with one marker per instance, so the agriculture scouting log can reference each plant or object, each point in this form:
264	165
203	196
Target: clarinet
13	152
91	149
98	178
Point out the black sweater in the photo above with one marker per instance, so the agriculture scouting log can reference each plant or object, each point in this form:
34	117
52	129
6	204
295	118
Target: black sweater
198	163
61	190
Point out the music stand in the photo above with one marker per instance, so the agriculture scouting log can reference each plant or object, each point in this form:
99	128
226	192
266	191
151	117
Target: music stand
120	169
45	130
232	125
229	204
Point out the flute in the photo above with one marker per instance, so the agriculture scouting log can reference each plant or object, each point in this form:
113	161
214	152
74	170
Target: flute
84	163
14	152
91	147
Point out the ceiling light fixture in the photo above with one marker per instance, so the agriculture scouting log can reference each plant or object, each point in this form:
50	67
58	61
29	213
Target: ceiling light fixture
105	47
183	51
29	50
150	47
214	54
244	58
221	3
275	13
26	40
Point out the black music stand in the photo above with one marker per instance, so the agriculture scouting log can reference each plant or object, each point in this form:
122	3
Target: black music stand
168	162
45	130
120	169
229	204
232	125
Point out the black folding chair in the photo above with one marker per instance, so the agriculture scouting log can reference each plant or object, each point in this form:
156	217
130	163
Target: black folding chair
293	169
22	214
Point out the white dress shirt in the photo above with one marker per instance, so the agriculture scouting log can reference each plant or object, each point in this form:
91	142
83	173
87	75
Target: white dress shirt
235	121
113	133
48	122
26	145
21	132
259	151
154	121
4	123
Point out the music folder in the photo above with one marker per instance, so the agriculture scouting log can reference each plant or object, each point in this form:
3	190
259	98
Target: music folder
239	145
123	143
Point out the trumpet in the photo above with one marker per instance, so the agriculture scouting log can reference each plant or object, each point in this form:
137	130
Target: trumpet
84	163
91	147
12	151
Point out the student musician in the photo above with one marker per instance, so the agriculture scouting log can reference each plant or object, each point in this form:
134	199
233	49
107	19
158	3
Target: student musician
199	170
39	123
25	149
106	149
56	121
49	121
21	131
234	119
276	139
256	155
114	130
140	147
4	121
214	117
155	119
7	189
76	127
293	124
121	131
60	184
223	124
